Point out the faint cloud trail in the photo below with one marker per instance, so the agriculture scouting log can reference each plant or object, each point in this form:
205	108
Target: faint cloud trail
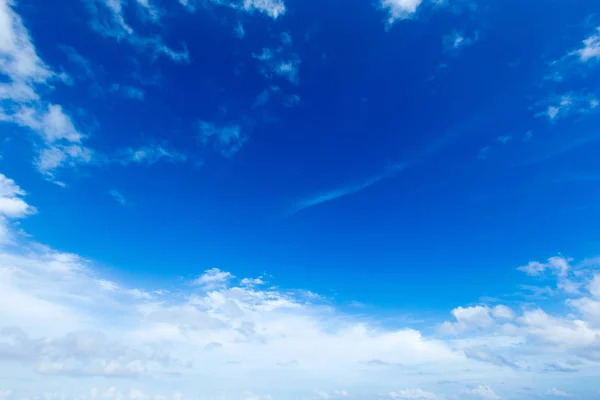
343	191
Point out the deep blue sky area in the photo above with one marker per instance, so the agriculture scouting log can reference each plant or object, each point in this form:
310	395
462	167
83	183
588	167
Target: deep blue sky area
463	211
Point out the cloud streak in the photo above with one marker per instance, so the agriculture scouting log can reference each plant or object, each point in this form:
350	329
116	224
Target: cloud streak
343	191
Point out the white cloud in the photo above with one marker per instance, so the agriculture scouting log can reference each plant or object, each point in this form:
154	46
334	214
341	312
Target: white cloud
482	392
252	281
26	73
557	265
413	394
591	47
400	9
468	318
273	8
214	277
227	139
12	204
231	339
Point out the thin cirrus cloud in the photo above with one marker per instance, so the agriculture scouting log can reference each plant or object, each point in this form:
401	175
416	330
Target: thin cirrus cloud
76	323
343	191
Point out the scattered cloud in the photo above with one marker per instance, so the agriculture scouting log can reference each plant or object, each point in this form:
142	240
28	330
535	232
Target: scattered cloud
227	139
557	265
271	8
343	191
150	154
400	9
274	63
557	107
60	142
108	19
216	328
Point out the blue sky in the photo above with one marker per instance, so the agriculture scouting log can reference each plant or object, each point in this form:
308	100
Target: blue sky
348	196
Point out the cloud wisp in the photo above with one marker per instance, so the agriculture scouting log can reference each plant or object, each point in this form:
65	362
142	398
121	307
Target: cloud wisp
343	191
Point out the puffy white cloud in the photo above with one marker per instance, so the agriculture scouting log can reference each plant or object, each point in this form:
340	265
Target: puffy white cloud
467	318
400	9
504	312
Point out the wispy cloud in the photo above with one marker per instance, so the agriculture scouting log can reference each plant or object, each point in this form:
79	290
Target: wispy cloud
280	61
457	40
108	19
130	92
343	191
119	198
78	60
149	154
558	107
227	139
